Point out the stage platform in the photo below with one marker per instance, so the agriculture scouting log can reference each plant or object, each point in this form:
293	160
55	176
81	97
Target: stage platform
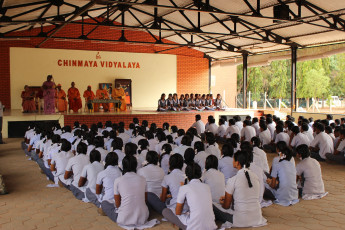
15	119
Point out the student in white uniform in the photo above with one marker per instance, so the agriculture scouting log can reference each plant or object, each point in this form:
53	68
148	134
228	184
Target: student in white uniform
88	177
201	155
225	163
231	129
322	143
74	169
255	125
161	141
286	193
247	131
212	127
124	136
265	135
211	148
305	129
281	135
199	198
164	158
238	122
152	141
105	179
339	150
214	178
271	126
221	129
180	134
259	156
309	174
99	144
243	190
130	209
199	125
297	138
117	146
185	144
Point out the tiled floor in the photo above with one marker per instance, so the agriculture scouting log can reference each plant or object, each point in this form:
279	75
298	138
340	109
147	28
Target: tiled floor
31	205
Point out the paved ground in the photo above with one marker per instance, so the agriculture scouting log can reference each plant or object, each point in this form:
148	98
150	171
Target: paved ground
31	205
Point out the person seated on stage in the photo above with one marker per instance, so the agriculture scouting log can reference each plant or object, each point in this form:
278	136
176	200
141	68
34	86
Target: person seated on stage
185	103
61	102
176	102
89	96
208	103
74	99
170	102
192	101
119	94
162	103
102	94
203	100
28	97
218	102
197	101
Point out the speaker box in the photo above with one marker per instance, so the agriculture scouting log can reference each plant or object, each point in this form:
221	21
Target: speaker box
281	12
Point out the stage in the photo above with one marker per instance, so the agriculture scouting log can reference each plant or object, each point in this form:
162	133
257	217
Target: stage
15	119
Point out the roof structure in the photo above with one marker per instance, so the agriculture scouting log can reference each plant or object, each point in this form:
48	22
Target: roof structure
222	29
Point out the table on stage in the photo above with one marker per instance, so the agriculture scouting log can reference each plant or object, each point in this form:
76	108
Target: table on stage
107	101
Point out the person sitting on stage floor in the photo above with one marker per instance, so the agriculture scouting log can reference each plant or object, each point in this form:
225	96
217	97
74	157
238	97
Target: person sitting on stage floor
176	102
218	102
74	100
61	102
184	102
28	97
209	103
170	103
162	104
119	93
89	96
102	94
197	103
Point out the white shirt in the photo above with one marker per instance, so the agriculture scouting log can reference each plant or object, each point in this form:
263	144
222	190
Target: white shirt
159	147
282	136
213	150
221	130
165	163
248	132
231	130
256	126
199	198
247	209
133	210
200	126
271	127
173	181
152	144
341	146
181	149
226	167
103	153
200	159
106	178
76	165
120	154
300	139
213	128
60	161
265	137
324	142
125	137
90	172
154	176
260	154
216	180
52	150
309	135
239	124
311	170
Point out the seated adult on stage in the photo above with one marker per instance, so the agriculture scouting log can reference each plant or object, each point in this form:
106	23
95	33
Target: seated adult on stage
119	93
61	102
102	93
74	99
28	97
89	95
162	103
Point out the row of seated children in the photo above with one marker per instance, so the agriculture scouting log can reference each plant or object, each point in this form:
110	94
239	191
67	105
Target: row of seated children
188	102
121	170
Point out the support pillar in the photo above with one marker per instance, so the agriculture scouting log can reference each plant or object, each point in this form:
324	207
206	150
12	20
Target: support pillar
209	75
293	78
245	76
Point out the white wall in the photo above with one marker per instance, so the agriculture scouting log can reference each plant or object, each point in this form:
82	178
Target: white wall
30	66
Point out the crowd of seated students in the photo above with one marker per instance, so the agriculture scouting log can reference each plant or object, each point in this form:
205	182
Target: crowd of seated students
126	173
187	102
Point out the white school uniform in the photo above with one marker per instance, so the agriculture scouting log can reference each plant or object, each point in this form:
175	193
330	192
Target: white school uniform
282	136
324	142
54	149
121	155
152	144
141	158
103	153
178	140
271	127
213	128
260	154
66	135
89	149
154	176
90	172
107	144
199	198
221	130
256	126
259	172
173	181
239	124
213	150
200	159
76	165
226	167
248	132
136	139
200	126
181	149
309	135
60	161
231	130
313	183
165	163
265	137
106	178
247	209
159	147
287	193
216	180
300	139
125	137
195	139
341	147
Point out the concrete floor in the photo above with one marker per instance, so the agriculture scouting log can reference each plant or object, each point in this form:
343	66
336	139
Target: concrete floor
31	205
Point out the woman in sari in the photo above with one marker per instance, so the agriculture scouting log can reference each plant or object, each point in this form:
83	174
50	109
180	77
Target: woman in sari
49	95
28	100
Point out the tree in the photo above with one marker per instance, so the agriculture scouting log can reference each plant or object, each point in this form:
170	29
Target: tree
315	84
279	83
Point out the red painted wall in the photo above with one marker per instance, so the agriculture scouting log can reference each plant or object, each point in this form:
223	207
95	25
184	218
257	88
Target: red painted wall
192	68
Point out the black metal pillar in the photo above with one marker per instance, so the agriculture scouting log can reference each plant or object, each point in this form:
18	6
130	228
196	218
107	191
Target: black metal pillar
209	75
245	72
293	77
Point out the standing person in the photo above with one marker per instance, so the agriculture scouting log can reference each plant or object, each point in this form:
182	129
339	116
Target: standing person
61	102
28	100
102	93
49	95
74	100
1	115
89	96
119	93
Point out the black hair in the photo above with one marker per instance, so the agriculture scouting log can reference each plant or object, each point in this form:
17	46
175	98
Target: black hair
303	150
166	126
99	125
235	137
221	121
105	134
199	146
84	127
65	145
329	117
95	155
263	126
197	117
149	135
111	159
76	124
281	145
170	139
255	119
152	157
342	132
121	124
242	157
186	141
211	162
131	126
181	132
189	155
129	164
166	150
279	128
305	127
56	138
227	150
161	136
145	123
210	138
256	142
108	124
175	162
193	171
232	122
247	122
130	149
67	129
246	146
328	129
174	129
144	144
112	134
135	120
81	148
320	127
288	154
117	143
295	130
99	142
